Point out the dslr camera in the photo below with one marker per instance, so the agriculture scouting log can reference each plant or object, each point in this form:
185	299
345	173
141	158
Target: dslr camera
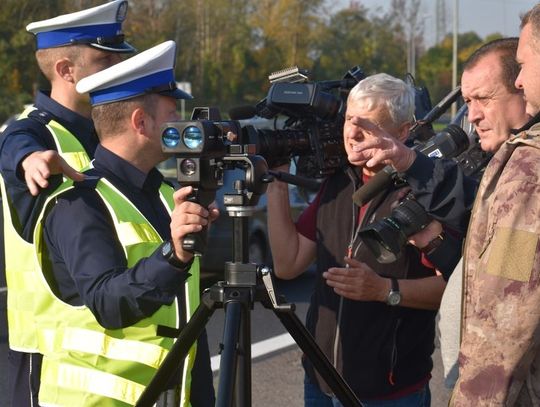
387	237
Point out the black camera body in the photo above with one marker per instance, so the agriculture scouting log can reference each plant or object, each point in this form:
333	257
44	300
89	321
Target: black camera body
205	147
313	129
387	237
302	99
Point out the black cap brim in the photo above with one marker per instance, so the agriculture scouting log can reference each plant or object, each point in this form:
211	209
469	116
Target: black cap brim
176	93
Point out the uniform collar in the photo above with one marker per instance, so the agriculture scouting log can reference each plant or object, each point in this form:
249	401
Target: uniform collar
74	122
115	167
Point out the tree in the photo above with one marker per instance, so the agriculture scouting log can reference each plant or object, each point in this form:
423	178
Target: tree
353	37
435	68
227	48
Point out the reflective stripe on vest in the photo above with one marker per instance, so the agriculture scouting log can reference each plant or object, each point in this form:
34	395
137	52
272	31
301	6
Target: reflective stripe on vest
85	364
24	296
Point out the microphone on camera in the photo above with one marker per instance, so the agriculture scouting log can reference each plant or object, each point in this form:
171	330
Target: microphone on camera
440	107
449	143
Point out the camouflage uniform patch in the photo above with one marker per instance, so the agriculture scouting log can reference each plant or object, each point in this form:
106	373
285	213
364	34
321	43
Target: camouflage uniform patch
513	254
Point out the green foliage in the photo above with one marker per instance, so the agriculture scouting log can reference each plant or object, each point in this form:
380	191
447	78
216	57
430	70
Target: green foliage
227	48
435	67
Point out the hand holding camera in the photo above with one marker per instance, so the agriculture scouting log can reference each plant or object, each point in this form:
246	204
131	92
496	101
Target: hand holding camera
187	218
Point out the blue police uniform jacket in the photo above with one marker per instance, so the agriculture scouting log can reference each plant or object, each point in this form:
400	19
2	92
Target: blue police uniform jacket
90	251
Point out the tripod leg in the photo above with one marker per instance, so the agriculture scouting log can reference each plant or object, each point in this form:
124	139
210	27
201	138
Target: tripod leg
315	355
235	362
285	313
243	374
188	336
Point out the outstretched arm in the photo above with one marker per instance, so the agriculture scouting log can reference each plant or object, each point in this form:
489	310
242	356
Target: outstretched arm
40	165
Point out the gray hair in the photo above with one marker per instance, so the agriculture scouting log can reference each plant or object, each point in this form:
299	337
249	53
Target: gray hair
393	93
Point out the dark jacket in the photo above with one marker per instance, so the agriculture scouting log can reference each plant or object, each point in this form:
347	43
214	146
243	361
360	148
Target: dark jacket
380	349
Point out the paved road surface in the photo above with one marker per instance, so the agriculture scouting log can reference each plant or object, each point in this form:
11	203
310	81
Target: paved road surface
277	377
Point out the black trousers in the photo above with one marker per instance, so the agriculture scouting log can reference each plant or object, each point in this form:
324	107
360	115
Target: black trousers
23	378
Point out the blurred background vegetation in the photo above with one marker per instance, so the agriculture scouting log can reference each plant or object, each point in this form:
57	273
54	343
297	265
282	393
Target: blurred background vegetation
227	48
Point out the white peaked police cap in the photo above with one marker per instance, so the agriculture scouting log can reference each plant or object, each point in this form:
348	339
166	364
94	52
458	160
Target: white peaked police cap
151	71
100	27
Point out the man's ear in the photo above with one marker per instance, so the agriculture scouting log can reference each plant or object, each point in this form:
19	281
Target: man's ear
403	131
138	120
64	69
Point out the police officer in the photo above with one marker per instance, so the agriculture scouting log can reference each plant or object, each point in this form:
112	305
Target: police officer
54	136
110	249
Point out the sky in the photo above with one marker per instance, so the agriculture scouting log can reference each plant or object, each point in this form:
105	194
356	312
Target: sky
482	16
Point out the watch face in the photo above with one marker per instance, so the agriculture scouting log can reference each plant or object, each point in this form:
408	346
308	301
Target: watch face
166	249
394	298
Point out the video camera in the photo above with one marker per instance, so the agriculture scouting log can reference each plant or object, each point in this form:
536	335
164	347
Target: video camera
312	114
206	145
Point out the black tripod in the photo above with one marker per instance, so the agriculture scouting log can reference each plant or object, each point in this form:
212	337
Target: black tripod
244	284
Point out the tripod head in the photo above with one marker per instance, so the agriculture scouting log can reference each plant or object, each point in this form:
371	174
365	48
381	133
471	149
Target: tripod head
206	176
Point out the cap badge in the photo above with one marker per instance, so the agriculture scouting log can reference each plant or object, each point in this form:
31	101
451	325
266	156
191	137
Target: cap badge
122	11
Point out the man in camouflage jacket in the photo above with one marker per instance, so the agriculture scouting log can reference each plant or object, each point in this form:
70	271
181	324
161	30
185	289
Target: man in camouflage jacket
501	320
499	355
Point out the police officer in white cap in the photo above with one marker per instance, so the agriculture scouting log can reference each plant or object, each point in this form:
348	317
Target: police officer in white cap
110	247
54	136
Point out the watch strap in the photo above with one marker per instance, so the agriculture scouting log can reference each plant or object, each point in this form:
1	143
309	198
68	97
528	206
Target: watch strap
433	245
394	295
395	284
170	255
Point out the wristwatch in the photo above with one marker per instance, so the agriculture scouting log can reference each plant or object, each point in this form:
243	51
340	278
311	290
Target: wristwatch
168	252
434	244
394	296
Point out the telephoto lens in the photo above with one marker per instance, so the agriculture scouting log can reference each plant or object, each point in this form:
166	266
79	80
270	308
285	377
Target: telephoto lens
387	237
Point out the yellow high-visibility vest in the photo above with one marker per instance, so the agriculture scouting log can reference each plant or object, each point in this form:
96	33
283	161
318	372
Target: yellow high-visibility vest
23	295
85	364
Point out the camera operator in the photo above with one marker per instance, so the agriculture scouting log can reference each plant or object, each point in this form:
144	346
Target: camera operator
375	322
499	354
110	250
